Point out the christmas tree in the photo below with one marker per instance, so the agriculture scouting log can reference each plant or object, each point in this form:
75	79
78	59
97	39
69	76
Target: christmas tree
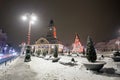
90	51
77	47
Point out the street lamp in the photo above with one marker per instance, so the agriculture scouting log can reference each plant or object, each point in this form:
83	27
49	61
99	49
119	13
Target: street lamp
31	18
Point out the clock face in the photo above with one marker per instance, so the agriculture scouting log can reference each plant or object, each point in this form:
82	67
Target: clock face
50	29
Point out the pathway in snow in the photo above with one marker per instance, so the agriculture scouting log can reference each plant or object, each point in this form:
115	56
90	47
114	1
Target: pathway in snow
17	71
40	69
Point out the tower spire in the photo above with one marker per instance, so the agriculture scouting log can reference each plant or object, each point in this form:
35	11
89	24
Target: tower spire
51	22
51	35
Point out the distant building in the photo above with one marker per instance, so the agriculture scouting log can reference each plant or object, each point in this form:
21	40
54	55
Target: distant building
3	39
111	45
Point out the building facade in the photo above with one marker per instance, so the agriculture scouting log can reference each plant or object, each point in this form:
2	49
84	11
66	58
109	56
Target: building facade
47	43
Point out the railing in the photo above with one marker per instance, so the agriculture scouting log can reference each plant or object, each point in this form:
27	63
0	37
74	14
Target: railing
5	58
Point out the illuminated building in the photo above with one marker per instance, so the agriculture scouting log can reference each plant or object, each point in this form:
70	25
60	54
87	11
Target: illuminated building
47	43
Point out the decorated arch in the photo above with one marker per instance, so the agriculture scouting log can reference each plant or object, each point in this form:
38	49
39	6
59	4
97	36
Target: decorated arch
42	41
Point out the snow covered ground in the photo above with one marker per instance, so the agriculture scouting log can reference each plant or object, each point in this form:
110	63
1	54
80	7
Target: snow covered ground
41	69
17	70
47	70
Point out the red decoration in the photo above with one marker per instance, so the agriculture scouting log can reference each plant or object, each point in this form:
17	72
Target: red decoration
54	32
77	47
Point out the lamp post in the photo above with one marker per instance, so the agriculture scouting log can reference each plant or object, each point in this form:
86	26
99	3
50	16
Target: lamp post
30	18
29	33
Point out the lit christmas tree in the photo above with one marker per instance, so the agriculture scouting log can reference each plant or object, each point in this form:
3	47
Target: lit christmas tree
77	47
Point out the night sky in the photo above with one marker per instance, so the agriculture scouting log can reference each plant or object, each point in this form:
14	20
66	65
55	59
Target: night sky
98	18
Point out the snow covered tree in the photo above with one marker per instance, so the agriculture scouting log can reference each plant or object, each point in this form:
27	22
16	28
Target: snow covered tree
56	51
44	53
38	53
90	50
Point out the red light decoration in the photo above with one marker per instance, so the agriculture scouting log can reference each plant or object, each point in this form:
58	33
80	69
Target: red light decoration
54	32
77	47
